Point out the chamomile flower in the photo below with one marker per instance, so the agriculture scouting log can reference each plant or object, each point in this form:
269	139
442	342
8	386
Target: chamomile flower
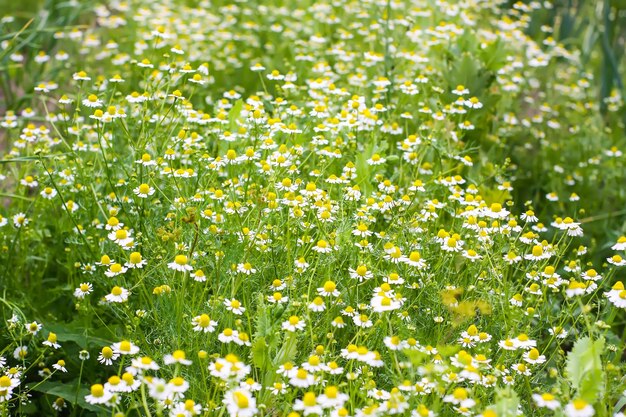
115	269
308	404
294	323
246	268
460	397
338	322
228	335
59	366
107	356
240	403
51	341
381	302
328	289
362	320
533	357
20	220
83	289
178	385
130	382
546	400
115	384
579	408
617	295
135	260
323	246
33	328
121	236
117	294
159	389
620	244
460	90
143	191
203	323
234	306
529	216
92	101
20	353
616	260
59	404
198	276
302	379
29	181
360	273
177	357
180	263
144	363
125	348
317	305
98	395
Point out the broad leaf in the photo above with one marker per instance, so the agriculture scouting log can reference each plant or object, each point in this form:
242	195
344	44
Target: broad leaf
584	368
69	393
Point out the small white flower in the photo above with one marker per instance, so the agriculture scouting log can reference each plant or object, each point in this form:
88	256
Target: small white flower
180	264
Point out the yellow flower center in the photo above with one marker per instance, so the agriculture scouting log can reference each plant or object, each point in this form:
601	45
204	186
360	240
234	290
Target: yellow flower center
97	390
135	257
309	399
204	320
460	394
107	352
580	404
241	400
5	381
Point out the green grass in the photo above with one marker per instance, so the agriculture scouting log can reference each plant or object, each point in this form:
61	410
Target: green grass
416	207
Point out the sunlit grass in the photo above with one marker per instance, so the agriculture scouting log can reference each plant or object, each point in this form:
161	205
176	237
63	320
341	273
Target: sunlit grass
346	209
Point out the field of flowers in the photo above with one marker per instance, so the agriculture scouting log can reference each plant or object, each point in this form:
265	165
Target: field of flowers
356	208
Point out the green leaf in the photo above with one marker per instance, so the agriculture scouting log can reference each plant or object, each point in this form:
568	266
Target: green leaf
507	403
288	350
234	113
620	404
68	393
493	195
80	336
263	319
584	369
416	357
494	55
260	353
363	171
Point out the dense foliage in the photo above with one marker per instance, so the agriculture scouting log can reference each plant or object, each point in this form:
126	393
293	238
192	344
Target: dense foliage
348	208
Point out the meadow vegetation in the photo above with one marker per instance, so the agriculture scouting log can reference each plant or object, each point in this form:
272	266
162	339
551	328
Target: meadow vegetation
349	208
